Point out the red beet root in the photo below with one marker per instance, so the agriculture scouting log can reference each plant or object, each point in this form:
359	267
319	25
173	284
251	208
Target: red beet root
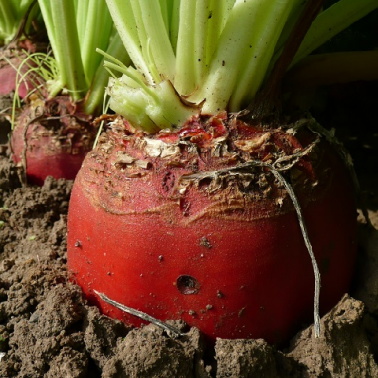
178	225
10	60
8	76
57	135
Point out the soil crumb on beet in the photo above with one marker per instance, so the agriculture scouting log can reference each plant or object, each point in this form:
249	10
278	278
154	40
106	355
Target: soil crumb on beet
48	330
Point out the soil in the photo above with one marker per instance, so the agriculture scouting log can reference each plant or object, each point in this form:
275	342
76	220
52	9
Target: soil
48	330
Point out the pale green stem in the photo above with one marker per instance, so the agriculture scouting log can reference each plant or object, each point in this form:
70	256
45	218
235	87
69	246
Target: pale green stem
204	13
201	23
165	10
161	109
331	22
259	56
98	25
174	23
159	42
81	15
215	53
236	50
8	23
131	77
46	11
67	45
95	98
143	39
123	17
185	80
76	5
220	11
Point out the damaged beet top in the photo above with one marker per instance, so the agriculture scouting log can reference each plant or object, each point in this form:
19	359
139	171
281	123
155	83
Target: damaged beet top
51	138
195	225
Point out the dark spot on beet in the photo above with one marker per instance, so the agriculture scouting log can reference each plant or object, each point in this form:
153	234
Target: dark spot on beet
187	285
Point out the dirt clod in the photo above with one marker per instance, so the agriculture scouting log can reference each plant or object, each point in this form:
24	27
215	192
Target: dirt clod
245	358
342	350
147	352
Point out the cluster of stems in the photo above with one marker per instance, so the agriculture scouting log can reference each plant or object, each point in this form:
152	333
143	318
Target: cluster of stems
75	29
208	55
12	13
